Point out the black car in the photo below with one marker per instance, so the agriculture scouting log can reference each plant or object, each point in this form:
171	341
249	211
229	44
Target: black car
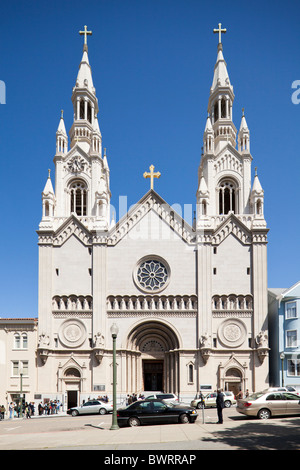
155	412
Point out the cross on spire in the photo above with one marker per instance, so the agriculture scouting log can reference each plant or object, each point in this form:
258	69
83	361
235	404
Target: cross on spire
85	33
151	175
220	31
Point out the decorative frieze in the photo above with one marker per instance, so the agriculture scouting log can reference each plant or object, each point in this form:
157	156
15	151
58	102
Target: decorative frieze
151	303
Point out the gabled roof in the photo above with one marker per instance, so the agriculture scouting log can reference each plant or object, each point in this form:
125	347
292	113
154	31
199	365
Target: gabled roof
72	226
232	225
293	291
151	201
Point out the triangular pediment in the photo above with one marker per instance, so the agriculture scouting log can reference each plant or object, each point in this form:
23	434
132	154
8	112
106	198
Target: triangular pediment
232	225
151	202
76	150
72	226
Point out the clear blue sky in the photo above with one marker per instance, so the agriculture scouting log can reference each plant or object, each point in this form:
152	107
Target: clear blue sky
152	64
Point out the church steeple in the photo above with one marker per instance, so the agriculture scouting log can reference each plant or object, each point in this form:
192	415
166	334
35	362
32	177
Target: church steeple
221	100
85	102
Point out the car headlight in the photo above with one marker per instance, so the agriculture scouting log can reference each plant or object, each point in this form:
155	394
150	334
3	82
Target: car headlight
194	412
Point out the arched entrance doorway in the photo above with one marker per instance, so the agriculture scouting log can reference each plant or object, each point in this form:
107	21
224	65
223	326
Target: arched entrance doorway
153	358
72	379
233	380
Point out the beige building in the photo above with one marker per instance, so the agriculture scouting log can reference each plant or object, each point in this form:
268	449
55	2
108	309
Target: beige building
190	303
18	372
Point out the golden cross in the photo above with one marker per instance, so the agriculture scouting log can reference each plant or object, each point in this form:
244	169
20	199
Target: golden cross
151	175
220	31
85	33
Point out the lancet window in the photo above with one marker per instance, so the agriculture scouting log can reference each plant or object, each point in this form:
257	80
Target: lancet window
228	197
78	195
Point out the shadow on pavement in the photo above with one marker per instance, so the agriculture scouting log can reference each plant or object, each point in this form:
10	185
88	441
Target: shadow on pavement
260	435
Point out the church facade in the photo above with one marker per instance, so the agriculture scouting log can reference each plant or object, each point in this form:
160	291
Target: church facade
190	302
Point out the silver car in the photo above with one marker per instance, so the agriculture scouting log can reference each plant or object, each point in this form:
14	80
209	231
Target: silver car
210	400
91	407
266	404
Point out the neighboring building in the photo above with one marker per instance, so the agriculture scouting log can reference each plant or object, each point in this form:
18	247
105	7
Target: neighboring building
284	327
190	302
18	372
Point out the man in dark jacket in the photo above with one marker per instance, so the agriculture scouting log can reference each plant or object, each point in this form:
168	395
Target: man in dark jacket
220	406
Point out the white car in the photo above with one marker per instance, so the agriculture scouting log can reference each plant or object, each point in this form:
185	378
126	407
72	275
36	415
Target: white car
288	388
210	400
91	407
167	397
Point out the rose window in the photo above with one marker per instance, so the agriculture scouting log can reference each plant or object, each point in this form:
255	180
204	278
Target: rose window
152	275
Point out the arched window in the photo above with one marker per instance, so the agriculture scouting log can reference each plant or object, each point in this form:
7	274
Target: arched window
89	112
78	194
81	112
223	108
227	197
216	111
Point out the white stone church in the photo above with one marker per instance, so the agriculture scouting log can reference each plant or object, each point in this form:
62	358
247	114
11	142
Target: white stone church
190	303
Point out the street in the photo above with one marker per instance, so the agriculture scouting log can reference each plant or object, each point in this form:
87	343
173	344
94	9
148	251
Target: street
92	432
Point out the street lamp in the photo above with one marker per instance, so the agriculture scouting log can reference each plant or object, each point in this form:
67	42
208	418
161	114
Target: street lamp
21	393
282	356
114	330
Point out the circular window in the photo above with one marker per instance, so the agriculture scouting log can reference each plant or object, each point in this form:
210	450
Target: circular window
152	275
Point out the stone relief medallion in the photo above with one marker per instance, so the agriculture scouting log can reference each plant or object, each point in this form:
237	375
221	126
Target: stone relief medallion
72	333
232	333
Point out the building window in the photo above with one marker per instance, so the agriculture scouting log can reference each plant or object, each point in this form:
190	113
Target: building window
191	373
17	342
19	367
293	367
227	197
291	339
290	310
78	197
152	274
20	341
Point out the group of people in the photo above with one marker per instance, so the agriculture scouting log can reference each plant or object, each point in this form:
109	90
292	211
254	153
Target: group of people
132	398
28	409
15	410
49	408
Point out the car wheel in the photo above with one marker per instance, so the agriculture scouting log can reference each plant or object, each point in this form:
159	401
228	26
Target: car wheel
264	414
102	411
227	404
199	405
75	413
133	421
184	418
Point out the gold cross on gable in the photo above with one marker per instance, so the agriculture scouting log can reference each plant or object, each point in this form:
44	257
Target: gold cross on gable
151	175
220	31
85	33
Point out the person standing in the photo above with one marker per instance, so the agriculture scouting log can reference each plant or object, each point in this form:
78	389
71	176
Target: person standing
220	406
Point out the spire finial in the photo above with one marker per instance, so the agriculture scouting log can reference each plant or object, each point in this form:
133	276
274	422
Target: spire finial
85	33
256	171
220	31
62	113
49	171
243	111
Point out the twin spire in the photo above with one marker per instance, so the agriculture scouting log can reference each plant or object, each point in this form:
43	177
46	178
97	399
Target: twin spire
220	129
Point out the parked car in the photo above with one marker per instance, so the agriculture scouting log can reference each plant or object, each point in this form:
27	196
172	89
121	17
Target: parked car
288	388
91	407
154	411
210	400
167	397
266	404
